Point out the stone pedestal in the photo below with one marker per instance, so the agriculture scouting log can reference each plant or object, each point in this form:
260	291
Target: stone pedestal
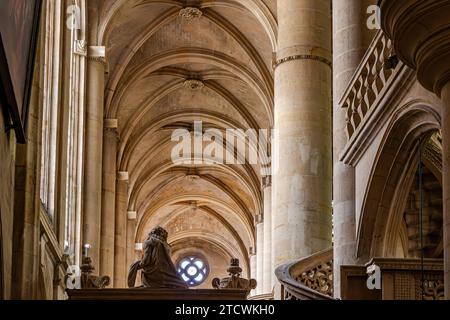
157	294
302	178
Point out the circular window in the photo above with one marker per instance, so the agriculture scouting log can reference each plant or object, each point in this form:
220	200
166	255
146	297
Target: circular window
193	270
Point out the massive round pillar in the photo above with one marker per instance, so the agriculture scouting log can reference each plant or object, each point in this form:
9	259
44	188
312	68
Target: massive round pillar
351	38
302	178
93	154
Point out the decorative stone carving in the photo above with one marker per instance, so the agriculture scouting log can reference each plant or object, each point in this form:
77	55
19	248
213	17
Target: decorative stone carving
194	85
80	48
190	13
89	281
319	278
234	281
158	270
433	289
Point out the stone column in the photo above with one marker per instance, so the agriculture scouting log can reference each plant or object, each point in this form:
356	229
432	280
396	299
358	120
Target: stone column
120	239
303	179
131	241
110	139
259	254
351	38
267	266
93	151
253	269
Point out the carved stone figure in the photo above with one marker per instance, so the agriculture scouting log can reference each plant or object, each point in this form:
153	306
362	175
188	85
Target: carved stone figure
234	281
158	270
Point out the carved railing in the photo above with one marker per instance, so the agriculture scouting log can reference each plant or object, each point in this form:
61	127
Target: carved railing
308	279
369	82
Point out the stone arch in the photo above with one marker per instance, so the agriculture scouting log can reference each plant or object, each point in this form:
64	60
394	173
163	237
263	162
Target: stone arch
394	158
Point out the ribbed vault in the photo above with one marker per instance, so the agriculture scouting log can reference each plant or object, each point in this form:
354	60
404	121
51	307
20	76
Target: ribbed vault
155	50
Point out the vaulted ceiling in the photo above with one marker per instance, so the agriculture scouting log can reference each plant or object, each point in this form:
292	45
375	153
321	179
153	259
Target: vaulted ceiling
171	63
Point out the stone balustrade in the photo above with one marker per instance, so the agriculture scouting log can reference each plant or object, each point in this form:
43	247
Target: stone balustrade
369	82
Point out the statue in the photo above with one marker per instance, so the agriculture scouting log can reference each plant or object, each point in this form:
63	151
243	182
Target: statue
158	270
234	281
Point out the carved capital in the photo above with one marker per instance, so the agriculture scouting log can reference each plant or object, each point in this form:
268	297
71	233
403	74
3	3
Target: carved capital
420	31
122	176
97	54
80	48
132	215
111	126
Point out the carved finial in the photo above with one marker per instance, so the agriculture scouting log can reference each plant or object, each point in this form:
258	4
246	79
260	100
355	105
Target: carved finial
194	85
89	281
234	281
190	13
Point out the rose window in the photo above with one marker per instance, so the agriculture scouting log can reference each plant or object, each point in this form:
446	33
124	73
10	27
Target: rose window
193	270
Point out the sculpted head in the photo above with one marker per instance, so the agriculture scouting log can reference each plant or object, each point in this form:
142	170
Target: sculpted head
159	233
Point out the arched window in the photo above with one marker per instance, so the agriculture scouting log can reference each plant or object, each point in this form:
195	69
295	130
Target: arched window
193	269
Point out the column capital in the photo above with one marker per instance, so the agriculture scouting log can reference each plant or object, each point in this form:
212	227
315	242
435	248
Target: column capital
259	219
132	215
111	125
80	48
97	54
420	31
123	176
